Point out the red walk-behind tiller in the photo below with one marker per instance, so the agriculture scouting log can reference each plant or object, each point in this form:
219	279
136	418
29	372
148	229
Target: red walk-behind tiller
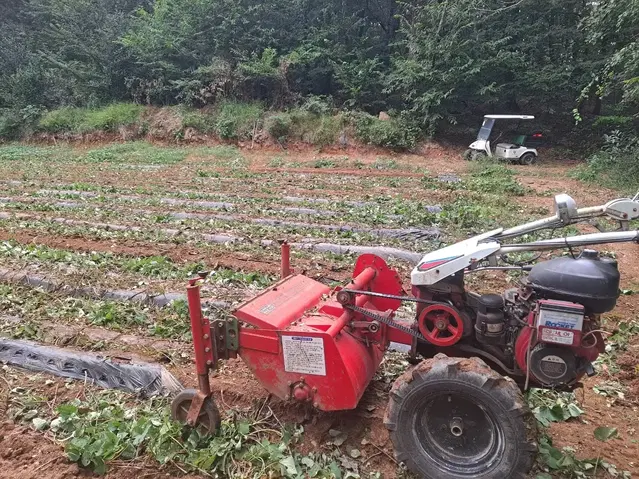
459	414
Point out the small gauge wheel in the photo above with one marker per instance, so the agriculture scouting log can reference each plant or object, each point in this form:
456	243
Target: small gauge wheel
209	420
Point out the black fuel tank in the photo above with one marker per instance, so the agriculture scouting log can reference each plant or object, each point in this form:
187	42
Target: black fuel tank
588	280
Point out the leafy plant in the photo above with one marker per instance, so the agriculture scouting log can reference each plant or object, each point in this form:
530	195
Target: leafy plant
551	406
107	428
115	315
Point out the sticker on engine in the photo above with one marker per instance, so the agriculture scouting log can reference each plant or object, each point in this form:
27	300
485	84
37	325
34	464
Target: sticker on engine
304	354
561	319
557	336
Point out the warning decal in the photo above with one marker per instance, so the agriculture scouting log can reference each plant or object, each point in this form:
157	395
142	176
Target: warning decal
303	354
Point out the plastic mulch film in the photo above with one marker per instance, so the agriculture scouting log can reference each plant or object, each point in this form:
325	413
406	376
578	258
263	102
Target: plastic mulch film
145	379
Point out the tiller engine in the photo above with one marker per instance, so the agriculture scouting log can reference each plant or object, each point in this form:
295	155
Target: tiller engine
460	412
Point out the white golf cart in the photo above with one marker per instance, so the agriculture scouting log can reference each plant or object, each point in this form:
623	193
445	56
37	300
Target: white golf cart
515	152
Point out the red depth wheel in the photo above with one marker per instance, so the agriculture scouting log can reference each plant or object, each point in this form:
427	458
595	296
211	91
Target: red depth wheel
441	325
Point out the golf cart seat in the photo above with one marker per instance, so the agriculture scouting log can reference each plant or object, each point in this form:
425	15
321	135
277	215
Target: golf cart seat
509	146
519	140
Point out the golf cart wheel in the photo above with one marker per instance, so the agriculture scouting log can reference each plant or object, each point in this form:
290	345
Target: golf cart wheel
527	159
455	418
209	420
477	155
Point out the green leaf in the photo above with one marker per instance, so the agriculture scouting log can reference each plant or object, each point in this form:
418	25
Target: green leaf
604	433
39	424
335	470
244	428
574	410
307	461
98	465
289	465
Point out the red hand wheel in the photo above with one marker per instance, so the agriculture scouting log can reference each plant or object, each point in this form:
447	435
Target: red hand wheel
441	325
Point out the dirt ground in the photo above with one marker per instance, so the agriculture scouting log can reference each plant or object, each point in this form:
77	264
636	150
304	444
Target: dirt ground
26	454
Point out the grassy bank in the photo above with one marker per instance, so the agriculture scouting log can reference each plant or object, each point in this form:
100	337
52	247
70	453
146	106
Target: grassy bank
314	122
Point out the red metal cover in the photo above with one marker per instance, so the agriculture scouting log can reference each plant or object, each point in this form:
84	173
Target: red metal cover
283	303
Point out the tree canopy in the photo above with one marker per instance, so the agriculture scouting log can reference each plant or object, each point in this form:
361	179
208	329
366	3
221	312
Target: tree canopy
436	61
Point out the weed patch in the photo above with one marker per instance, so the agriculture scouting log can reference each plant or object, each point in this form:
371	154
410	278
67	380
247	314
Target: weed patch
315	126
279	126
394	134
112	117
237	121
30	153
200	120
136	153
66	119
496	179
615	165
617	342
487	178
82	120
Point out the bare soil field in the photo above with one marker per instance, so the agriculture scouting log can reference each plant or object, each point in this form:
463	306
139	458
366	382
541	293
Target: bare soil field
144	218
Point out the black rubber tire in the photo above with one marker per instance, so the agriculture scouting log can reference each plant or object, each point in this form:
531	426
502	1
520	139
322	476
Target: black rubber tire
209	420
528	159
476	155
501	428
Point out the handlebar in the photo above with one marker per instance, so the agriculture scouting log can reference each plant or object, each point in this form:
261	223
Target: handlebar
573	241
623	210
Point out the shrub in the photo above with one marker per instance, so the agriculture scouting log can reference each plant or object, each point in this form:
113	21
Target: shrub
112	117
320	130
616	164
613	122
237	121
318	105
9	125
15	123
279	126
394	134
67	119
328	130
202	121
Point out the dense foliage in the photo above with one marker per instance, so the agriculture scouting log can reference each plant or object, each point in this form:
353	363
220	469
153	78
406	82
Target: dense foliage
436	61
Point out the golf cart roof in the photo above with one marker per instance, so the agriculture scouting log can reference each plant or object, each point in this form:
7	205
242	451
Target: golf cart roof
510	117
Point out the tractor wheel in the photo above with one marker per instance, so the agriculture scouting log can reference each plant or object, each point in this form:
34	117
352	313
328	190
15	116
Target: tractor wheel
527	159
454	418
478	155
209	420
